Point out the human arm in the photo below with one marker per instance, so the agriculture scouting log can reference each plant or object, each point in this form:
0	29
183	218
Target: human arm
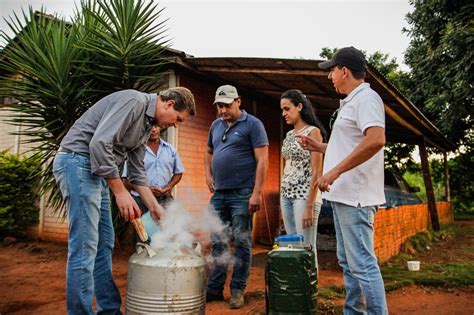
166	190
114	124
127	184
208	169
311	143
316	172
156	210
125	180
372	142
137	176
127	206
261	156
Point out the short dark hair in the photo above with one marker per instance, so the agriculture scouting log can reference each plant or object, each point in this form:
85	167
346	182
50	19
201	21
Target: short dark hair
184	99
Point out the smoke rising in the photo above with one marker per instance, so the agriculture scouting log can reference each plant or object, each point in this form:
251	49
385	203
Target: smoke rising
180	228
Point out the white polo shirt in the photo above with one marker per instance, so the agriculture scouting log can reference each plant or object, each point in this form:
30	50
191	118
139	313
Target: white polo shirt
364	184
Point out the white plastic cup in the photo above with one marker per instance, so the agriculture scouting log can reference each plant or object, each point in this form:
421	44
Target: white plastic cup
413	265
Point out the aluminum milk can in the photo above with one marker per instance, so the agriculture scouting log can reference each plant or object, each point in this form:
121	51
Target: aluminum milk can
169	280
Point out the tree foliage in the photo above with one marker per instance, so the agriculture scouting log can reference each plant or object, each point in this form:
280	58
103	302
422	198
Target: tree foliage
55	70
441	56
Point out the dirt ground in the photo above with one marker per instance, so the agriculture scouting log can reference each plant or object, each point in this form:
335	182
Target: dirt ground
32	281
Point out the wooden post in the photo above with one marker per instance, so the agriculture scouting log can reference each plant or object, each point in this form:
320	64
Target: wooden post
446	178
428	185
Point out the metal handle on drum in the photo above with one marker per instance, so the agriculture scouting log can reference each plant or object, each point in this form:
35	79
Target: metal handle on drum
198	247
140	247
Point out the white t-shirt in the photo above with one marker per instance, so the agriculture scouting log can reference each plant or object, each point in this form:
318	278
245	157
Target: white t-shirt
364	184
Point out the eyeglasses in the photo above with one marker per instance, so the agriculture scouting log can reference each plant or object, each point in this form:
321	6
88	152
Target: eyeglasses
224	136
333	118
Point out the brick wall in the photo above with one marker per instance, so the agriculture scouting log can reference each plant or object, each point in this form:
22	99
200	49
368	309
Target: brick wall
393	226
192	145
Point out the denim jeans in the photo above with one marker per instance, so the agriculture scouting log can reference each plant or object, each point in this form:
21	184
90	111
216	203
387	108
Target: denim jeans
292	211
365	292
91	236
232	206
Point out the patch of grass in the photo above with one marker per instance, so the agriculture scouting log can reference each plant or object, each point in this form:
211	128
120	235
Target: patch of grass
326	299
436	275
449	275
331	292
421	241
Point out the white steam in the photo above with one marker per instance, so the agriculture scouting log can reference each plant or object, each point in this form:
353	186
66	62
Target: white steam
180	228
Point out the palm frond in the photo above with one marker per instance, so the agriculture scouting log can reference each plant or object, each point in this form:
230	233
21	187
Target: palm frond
56	70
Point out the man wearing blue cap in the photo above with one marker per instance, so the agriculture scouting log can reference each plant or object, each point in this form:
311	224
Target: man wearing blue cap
353	179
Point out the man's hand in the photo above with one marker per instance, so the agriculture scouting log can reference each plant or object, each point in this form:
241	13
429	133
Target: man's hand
157	213
208	170
210	183
254	202
127	206
166	191
308	217
156	191
324	182
311	144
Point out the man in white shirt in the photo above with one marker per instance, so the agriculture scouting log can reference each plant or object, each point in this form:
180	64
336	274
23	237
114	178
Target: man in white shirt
353	179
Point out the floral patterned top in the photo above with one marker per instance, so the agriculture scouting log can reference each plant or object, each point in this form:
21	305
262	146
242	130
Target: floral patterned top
297	173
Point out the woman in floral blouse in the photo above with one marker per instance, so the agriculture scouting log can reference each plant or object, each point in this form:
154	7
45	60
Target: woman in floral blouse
300	201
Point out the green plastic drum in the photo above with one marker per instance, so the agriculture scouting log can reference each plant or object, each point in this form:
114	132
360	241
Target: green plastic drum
291	281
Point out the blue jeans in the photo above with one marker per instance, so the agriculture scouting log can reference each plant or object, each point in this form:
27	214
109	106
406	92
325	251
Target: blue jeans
91	236
232	206
365	292
292	211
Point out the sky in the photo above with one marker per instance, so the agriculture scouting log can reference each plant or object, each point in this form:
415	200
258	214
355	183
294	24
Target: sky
273	29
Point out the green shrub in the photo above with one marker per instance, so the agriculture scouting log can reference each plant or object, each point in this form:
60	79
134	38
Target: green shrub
18	194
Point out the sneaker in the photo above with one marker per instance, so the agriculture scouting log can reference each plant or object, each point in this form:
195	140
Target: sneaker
236	300
214	296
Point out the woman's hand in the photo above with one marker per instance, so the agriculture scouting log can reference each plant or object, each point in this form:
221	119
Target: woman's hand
308	217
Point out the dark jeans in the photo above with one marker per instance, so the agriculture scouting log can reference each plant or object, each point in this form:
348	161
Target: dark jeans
232	206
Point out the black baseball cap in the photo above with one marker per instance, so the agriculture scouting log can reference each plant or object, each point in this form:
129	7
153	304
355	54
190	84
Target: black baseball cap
349	57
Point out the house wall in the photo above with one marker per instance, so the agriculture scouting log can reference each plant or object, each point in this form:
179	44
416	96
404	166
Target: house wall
7	139
53	226
395	225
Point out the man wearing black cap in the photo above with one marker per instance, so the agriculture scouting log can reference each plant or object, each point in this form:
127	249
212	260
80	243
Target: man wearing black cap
353	179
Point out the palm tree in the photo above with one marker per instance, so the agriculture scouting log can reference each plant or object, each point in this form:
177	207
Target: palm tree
55	70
